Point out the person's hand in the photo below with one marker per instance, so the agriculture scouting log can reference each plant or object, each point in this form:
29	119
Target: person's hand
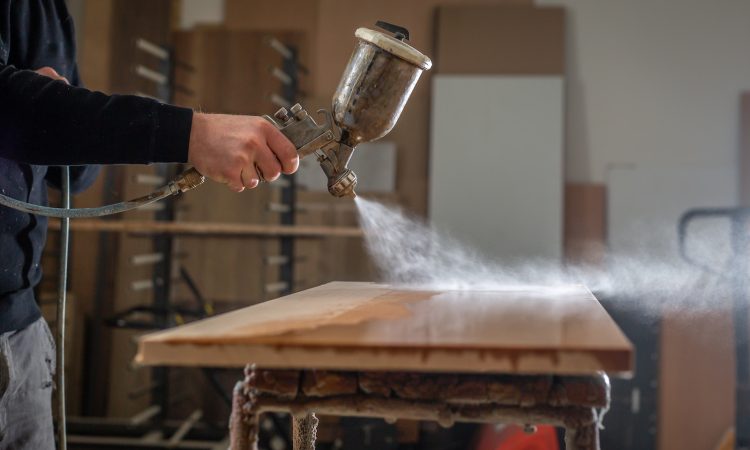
239	151
51	73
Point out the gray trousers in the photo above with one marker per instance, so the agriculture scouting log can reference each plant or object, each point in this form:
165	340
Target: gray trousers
27	367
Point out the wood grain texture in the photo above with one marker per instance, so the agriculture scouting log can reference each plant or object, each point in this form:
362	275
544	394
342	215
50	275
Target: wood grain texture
367	326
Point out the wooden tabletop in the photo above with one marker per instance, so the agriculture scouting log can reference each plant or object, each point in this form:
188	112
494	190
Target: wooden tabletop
367	326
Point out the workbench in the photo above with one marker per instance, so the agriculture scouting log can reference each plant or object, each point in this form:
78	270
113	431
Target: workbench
524	354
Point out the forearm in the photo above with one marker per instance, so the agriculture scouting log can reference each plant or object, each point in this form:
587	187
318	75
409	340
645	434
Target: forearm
47	122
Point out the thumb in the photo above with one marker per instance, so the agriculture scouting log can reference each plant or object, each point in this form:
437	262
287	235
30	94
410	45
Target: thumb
51	73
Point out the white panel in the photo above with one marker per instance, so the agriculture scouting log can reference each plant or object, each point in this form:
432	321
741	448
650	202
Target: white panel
373	162
496	163
646	202
201	12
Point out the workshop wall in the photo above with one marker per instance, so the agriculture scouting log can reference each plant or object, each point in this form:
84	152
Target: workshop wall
656	85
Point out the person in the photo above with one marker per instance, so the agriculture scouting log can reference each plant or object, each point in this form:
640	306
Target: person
47	119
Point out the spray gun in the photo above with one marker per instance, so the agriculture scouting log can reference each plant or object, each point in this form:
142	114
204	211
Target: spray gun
376	84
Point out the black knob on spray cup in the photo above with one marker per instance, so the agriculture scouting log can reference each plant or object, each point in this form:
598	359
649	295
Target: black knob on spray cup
399	33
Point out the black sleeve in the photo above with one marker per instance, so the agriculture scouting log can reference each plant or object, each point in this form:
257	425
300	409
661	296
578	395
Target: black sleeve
47	122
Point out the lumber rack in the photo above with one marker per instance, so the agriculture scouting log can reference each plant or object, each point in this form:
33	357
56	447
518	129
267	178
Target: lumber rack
575	403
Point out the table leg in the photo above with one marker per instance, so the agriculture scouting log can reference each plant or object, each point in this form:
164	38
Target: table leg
304	432
585	437
243	423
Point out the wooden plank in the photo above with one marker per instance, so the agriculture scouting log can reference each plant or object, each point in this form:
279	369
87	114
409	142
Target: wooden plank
500	39
367	326
208	228
697	379
585	223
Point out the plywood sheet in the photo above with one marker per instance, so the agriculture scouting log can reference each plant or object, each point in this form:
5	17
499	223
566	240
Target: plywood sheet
348	326
500	39
585	223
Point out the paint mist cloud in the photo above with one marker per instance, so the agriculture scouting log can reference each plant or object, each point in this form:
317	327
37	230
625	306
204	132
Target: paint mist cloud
408	253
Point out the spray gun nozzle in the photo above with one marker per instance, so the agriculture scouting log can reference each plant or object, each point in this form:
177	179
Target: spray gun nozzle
343	185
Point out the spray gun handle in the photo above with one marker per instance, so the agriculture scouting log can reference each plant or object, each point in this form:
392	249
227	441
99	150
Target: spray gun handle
302	130
309	137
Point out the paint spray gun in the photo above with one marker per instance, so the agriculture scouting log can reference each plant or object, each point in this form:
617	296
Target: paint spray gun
373	90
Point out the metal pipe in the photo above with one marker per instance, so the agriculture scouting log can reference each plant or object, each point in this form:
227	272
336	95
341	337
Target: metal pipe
184	428
151	48
146	258
151	75
184	182
145	415
279	47
62	300
280	75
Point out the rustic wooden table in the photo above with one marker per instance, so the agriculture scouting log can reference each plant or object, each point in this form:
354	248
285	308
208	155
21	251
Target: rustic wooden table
524	354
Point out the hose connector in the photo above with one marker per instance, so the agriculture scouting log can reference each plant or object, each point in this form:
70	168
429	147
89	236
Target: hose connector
189	179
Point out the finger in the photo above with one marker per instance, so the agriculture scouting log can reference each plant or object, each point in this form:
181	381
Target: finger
268	165
248	180
283	149
235	187
233	179
51	73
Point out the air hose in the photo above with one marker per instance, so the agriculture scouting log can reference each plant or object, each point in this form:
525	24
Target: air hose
187	180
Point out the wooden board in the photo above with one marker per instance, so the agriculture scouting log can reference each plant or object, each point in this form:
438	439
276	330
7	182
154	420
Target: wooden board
367	326
585	233
500	39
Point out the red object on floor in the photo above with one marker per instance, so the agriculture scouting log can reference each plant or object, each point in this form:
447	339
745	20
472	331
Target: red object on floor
513	438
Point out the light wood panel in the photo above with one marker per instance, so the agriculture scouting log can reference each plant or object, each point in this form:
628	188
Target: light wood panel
524	329
697	379
585	223
492	39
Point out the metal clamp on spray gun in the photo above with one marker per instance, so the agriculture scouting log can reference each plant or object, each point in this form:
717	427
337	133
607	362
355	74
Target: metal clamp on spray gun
323	140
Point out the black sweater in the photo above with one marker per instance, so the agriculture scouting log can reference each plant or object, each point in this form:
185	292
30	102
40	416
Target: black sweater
47	123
